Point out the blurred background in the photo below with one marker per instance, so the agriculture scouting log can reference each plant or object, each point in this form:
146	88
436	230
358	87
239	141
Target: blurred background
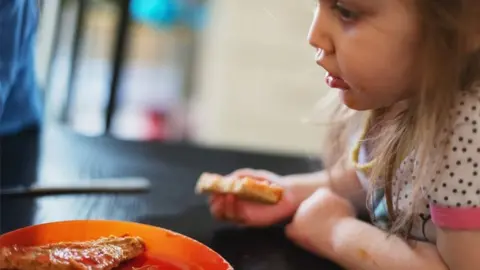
219	73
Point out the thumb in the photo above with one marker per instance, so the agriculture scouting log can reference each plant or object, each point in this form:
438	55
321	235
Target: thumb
290	231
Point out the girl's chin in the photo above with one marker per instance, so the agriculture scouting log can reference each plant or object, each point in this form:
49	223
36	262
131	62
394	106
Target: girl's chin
351	101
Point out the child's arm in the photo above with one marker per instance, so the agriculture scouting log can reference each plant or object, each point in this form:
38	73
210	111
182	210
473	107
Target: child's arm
325	224
342	181
359	245
459	248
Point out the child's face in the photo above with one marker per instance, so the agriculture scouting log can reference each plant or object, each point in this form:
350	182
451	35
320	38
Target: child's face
367	48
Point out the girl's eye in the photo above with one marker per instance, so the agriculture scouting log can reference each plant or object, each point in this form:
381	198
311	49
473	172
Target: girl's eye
345	14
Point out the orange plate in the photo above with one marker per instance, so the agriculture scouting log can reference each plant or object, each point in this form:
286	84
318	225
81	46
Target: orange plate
164	248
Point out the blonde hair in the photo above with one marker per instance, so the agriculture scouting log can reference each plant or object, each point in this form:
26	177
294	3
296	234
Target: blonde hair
449	62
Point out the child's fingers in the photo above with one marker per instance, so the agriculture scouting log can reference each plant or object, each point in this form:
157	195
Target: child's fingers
260	174
213	197
225	207
217	207
231	208
244	172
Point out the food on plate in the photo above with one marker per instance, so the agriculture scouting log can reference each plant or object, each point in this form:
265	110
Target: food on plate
102	254
147	267
246	187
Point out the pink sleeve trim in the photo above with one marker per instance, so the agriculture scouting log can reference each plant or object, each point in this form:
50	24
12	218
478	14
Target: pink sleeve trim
455	218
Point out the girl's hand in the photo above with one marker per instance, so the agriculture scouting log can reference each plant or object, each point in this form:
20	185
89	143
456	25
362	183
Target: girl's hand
231	208
313	224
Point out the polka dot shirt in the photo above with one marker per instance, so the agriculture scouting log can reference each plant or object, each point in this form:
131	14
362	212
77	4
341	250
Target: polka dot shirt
452	196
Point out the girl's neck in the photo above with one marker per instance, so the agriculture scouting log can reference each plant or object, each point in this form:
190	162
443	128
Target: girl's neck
395	110
381	117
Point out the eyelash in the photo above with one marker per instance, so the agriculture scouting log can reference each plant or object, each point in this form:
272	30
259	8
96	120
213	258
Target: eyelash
344	13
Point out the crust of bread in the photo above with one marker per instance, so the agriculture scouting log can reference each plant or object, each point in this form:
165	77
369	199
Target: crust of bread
247	188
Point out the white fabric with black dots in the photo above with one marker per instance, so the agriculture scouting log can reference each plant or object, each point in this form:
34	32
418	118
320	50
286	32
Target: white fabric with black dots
457	183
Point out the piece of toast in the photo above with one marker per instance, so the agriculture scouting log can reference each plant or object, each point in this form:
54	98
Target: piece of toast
247	188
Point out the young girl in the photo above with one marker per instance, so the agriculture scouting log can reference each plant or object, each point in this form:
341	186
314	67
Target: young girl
407	146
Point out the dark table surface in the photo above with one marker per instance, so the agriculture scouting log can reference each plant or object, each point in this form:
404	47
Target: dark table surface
59	154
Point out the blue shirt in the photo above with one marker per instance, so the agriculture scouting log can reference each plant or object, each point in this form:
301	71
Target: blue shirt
19	93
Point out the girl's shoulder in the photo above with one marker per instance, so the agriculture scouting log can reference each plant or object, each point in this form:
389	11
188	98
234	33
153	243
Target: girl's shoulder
464	128
463	135
454	193
466	108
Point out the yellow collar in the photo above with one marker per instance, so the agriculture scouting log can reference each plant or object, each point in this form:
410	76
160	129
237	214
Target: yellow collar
354	155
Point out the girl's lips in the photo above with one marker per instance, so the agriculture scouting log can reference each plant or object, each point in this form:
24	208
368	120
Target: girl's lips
336	82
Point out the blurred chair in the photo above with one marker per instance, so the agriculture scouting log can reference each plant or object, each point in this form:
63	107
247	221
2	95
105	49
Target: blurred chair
117	63
157	13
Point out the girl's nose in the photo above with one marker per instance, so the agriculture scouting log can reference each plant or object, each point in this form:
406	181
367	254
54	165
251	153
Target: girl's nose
320	34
